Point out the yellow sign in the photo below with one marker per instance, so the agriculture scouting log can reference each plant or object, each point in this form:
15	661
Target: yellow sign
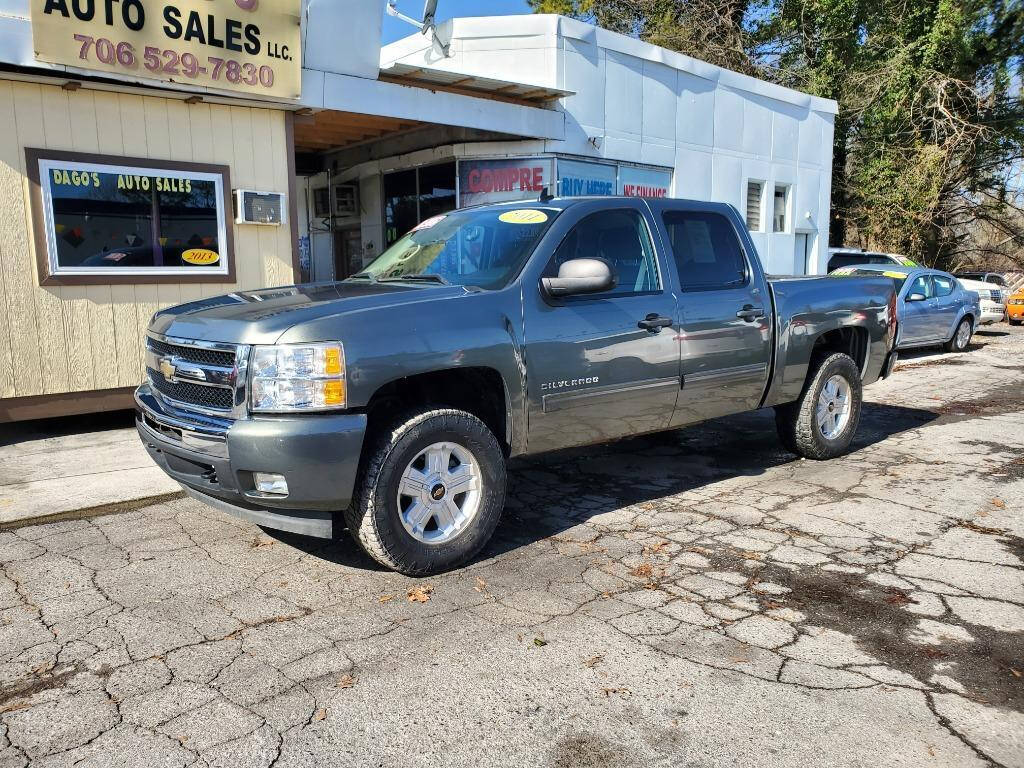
523	217
235	45
200	256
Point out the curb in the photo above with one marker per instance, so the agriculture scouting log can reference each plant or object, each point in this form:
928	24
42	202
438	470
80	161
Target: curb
89	512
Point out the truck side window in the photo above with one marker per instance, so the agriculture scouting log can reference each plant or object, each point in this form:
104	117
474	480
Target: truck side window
707	253
620	238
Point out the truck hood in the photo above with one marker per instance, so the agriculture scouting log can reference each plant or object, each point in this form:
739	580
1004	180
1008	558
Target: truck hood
261	317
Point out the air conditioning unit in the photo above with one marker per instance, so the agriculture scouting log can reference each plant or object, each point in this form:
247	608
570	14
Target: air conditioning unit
252	207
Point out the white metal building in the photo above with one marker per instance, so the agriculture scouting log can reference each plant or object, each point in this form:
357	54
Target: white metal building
638	119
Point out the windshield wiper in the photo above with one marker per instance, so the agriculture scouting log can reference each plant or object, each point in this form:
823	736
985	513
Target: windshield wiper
425	278
363	276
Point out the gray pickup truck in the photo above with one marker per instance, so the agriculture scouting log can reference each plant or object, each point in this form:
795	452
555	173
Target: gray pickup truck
390	402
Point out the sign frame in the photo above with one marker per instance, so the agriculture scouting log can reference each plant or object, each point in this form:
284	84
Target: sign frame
231	46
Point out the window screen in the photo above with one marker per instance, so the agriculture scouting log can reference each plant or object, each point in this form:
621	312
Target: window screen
755	190
619	238
707	253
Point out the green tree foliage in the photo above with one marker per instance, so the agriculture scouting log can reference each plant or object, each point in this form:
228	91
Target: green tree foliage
929	141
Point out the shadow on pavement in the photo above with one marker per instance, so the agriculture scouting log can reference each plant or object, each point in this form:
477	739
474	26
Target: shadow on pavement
42	429
550	493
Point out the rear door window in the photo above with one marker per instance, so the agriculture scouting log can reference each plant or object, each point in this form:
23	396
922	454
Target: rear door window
943	285
706	250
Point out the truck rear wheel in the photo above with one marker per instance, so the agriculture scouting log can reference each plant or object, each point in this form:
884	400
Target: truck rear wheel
822	423
431	493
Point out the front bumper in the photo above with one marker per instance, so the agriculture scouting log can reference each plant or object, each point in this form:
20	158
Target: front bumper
991	312
214	461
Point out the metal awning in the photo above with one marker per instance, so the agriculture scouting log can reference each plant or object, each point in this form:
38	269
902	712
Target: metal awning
471	85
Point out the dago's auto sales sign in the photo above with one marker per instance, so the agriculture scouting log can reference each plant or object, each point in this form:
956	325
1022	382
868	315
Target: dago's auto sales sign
238	45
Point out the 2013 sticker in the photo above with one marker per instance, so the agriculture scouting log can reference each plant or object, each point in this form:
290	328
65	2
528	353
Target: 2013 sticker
523	216
200	256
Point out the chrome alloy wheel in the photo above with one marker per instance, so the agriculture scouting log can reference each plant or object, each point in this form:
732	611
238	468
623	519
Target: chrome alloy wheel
440	493
963	335
834	406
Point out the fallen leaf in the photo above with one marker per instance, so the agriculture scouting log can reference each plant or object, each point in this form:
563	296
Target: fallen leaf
643	571
593	661
540	642
420	594
896	597
320	714
998	503
655	549
931	750
934	653
258	542
481	585
346	681
385	598
621	691
605	595
1015	673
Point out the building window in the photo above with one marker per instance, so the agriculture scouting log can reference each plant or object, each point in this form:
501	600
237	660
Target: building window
108	220
780	207
416	195
755	192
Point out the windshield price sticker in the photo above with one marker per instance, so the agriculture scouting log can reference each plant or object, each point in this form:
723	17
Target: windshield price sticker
523	217
428	223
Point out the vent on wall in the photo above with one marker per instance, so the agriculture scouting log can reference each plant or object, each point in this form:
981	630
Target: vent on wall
755	191
252	207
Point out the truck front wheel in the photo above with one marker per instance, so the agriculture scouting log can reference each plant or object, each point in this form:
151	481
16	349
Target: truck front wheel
430	494
822	423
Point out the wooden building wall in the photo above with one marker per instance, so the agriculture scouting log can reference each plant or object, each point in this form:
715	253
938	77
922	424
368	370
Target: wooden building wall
56	340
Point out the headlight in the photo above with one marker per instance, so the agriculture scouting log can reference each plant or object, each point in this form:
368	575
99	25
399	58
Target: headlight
297	377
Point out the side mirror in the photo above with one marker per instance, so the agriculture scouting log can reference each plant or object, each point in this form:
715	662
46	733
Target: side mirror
579	276
916	297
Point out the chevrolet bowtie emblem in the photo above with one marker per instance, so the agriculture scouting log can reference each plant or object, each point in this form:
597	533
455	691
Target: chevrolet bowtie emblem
167	368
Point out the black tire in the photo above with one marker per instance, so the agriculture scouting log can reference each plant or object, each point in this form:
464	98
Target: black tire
952	345
374	518
1014	322
797	422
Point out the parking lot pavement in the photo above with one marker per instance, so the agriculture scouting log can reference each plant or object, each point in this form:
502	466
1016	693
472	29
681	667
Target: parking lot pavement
696	598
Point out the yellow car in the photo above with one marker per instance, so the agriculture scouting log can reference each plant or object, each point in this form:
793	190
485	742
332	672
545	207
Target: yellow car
1015	308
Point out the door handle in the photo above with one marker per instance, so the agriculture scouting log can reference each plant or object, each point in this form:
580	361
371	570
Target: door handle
750	313
655	322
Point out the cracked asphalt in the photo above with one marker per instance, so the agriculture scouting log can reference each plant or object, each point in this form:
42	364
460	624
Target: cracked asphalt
697	598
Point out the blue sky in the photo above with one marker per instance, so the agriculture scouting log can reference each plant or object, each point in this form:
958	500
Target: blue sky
446	9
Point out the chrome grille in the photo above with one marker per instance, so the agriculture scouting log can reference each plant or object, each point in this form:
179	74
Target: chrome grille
200	355
192	394
202	377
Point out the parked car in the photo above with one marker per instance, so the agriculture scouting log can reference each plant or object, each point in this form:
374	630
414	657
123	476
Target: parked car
982	277
850	257
1015	308
390	402
934	307
992	296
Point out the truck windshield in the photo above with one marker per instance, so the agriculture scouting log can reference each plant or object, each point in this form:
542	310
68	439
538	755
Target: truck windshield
483	247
